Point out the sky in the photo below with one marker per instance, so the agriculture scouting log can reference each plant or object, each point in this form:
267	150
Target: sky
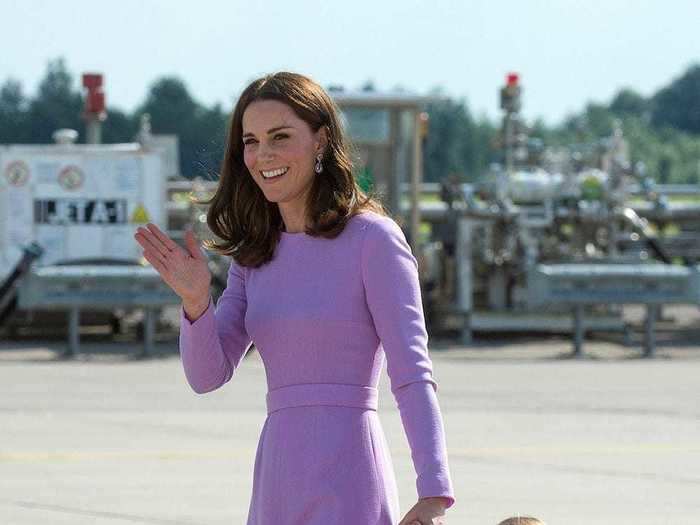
566	52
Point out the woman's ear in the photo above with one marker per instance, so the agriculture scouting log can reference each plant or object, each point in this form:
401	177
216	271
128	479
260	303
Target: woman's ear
322	142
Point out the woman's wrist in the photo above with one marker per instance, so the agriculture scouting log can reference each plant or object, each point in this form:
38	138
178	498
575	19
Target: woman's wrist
195	309
444	500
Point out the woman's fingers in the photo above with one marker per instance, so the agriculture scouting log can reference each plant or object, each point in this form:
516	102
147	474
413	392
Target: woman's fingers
183	274
166	241
150	241
193	245
155	254
155	262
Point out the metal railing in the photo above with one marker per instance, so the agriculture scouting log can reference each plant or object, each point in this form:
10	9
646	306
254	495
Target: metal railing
433	188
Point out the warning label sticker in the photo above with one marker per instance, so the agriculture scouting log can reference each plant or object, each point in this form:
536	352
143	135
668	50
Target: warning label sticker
140	215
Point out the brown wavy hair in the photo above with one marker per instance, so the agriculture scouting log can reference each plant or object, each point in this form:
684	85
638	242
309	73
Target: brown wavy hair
247	224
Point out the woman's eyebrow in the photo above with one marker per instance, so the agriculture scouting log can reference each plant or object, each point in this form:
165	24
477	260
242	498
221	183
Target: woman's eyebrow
271	130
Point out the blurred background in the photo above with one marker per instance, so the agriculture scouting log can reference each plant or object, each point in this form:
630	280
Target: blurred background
543	159
527	149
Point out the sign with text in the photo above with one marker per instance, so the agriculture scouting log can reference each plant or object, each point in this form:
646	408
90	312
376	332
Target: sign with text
80	211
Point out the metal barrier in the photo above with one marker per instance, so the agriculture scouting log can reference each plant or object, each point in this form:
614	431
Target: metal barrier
578	285
77	287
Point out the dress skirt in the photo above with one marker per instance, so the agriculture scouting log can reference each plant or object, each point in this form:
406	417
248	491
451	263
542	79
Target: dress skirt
323	459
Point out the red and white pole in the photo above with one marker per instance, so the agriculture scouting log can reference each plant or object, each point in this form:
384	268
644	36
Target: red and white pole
94	112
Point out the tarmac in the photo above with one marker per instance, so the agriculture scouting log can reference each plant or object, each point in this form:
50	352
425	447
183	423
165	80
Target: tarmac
608	439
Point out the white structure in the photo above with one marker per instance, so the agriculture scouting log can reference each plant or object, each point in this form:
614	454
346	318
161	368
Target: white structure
78	201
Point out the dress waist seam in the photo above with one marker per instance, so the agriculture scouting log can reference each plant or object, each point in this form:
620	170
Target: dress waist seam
314	394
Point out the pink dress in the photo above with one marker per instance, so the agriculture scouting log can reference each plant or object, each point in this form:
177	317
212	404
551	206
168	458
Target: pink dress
324	315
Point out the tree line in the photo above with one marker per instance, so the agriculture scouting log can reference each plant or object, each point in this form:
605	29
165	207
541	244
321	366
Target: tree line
663	130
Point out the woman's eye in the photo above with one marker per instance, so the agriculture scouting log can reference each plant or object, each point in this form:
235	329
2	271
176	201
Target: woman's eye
281	136
249	141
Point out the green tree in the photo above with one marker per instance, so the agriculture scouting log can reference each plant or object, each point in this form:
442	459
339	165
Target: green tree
119	127
173	110
455	143
56	105
629	102
665	165
678	104
211	127
170	105
368	86
599	119
14	121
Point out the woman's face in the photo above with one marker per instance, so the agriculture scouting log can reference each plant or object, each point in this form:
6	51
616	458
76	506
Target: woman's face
276	140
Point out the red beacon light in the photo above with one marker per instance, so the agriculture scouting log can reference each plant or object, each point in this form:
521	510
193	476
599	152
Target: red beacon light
510	93
92	80
95	99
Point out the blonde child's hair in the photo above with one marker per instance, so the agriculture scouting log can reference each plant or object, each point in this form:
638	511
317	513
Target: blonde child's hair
522	520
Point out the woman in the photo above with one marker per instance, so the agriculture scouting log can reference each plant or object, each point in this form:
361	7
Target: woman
325	284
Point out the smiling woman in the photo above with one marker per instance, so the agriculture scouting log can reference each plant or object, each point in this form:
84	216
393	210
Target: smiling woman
286	168
276	156
324	283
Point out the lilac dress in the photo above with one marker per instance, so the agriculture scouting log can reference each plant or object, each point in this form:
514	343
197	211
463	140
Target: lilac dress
324	315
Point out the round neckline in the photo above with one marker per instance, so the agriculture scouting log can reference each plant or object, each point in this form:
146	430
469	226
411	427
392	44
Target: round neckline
304	235
295	237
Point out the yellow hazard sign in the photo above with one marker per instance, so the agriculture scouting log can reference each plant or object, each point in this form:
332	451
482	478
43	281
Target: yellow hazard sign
140	215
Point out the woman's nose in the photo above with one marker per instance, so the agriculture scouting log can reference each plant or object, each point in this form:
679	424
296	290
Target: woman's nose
264	152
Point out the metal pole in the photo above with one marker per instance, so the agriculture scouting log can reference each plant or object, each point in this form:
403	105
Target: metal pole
649	343
149	330
93	131
394	182
578	330
509	142
463	261
416	180
73	331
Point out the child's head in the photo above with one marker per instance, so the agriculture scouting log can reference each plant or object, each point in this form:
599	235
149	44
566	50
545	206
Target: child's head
522	520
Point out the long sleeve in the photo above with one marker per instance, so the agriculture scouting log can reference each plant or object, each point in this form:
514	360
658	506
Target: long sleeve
212	346
392	289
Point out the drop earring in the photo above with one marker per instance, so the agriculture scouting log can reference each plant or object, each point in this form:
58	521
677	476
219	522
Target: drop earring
318	168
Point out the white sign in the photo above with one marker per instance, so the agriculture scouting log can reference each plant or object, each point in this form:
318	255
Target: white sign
79	202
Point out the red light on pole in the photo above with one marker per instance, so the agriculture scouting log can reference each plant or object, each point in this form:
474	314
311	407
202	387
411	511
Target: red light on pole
92	80
510	93
95	100
94	110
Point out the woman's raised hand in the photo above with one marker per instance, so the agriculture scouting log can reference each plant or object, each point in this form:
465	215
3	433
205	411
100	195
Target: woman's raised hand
185	270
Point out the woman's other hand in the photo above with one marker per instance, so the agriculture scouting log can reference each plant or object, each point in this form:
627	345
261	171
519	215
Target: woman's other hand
428	511
185	270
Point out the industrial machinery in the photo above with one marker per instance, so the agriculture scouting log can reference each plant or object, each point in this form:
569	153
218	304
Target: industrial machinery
495	255
523	248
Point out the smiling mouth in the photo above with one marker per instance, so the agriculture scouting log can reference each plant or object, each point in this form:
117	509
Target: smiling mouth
271	174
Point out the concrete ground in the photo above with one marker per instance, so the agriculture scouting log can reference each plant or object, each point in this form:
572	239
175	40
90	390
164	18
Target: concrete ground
106	439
